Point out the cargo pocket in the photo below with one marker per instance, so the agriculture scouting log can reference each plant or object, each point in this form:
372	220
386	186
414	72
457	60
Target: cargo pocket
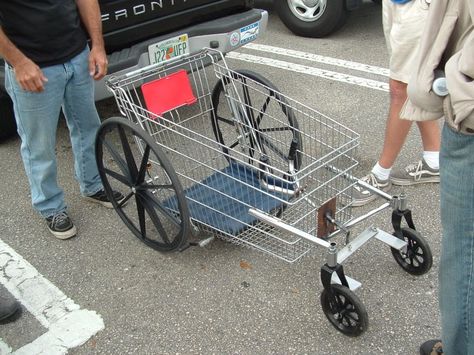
434	51
461	91
432	48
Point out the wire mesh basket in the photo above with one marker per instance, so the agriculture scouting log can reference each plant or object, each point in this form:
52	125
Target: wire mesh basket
236	144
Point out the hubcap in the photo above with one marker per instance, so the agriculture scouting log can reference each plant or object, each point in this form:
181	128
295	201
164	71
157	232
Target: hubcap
307	10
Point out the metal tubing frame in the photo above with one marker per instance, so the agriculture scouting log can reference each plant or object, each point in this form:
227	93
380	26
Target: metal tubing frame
277	223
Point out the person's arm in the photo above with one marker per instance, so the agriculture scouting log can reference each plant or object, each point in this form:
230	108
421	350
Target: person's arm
90	15
27	73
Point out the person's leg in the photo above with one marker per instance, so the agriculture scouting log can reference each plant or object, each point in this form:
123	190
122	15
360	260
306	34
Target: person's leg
430	135
396	130
456	270
37	118
83	122
426	170
402	28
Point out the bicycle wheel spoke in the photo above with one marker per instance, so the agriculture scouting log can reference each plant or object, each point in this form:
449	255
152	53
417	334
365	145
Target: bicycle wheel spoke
274	148
117	158
143	166
233	145
141	217
117	176
172	217
125	200
225	120
157	223
263	110
128	153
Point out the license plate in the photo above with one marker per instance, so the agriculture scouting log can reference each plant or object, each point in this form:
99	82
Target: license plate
171	48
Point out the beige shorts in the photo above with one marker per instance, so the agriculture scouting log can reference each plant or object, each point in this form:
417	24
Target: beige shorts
403	26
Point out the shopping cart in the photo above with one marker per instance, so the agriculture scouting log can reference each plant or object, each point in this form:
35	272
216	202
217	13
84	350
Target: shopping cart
208	151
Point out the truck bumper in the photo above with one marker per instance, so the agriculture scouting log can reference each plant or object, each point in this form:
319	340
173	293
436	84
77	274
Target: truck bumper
224	34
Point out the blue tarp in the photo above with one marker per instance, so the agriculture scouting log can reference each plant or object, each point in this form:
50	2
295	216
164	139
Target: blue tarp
230	192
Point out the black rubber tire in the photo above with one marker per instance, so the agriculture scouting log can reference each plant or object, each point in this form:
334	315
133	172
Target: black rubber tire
377	1
344	310
240	80
417	259
8	127
128	172
334	16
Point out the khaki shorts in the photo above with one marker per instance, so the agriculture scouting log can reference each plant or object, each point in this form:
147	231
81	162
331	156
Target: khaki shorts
403	26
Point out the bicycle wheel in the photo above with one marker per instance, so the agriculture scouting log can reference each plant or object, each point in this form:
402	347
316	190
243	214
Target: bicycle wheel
155	208
255	121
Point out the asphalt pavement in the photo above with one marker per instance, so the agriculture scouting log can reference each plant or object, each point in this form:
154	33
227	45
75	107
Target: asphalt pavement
122	297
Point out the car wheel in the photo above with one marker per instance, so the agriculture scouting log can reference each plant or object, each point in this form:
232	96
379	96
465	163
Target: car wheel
312	18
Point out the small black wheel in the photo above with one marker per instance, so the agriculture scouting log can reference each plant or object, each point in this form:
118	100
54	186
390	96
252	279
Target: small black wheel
155	208
272	129
416	257
344	310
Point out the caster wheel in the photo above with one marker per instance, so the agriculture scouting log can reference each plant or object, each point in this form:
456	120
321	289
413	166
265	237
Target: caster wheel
344	310
416	257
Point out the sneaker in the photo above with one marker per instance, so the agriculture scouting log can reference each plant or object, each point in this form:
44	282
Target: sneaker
61	226
9	308
431	347
364	196
417	173
101	198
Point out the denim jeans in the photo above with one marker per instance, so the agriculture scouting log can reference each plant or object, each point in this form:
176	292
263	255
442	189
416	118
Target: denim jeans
71	87
456	271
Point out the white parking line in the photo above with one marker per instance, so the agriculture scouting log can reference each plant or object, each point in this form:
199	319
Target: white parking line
319	58
304	69
67	324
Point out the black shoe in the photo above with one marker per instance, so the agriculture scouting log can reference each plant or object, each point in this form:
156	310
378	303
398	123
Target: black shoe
431	347
9	309
101	198
61	226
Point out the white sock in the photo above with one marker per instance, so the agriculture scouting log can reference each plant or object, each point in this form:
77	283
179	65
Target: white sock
432	159
380	172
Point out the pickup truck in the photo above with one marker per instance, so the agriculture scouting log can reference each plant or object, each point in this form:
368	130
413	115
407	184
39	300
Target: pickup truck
138	32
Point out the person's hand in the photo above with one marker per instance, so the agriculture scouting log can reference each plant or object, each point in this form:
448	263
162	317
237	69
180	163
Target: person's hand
29	76
97	62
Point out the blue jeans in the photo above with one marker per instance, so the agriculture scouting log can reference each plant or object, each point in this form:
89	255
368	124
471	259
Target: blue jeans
456	271
71	87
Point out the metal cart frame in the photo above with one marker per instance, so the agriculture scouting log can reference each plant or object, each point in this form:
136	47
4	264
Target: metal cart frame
225	153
